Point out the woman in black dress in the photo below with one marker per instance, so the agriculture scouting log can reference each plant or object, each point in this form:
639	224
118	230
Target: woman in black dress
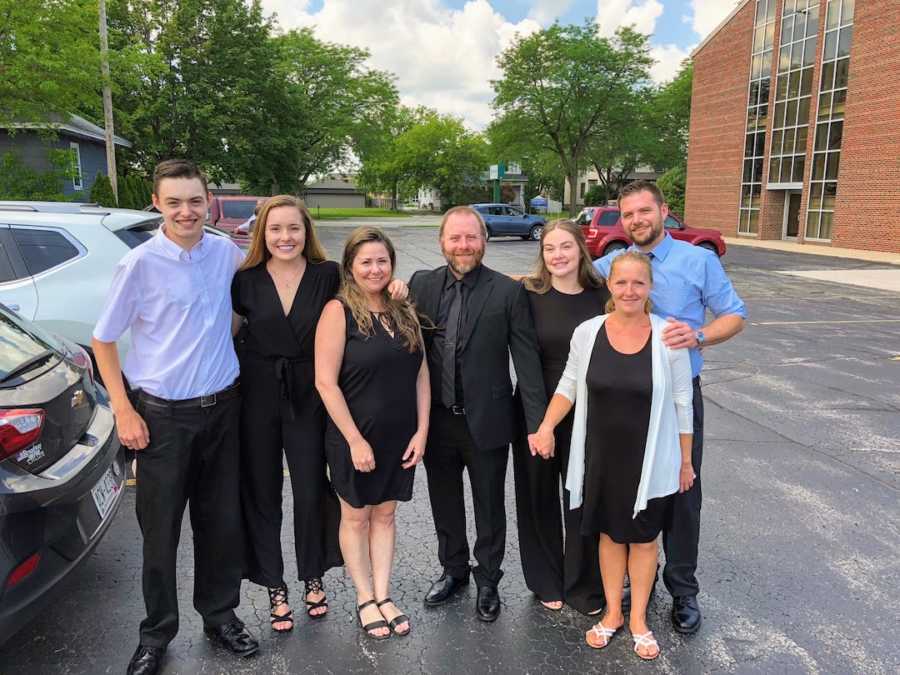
563	291
278	295
631	441
373	378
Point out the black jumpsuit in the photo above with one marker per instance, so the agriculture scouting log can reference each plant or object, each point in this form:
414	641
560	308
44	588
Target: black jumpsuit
555	570
281	409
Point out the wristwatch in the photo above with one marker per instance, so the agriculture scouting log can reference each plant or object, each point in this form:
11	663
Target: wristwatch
701	339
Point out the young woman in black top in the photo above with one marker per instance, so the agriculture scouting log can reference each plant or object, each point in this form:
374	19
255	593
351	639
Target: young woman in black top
278	294
563	291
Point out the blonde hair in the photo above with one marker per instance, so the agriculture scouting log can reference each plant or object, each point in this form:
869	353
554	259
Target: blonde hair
633	256
258	252
400	314
540	282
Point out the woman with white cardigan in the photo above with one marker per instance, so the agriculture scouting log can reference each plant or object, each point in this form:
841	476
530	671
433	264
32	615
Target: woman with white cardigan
631	441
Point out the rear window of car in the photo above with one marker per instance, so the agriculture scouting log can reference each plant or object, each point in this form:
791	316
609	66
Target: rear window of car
238	209
609	218
136	235
671	223
19	343
43	249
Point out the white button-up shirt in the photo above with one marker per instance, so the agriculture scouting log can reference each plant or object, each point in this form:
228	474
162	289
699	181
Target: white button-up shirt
177	304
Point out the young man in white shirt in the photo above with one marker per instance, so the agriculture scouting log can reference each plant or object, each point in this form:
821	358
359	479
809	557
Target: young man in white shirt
179	410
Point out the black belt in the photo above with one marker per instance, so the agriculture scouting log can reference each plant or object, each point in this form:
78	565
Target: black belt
207	401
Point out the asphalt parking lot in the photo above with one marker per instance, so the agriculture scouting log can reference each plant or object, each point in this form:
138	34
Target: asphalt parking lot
800	548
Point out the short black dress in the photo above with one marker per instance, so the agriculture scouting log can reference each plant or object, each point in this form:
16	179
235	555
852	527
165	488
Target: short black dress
378	379
620	388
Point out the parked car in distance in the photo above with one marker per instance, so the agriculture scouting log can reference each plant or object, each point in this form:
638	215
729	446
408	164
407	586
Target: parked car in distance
62	469
226	212
604	233
57	261
504	220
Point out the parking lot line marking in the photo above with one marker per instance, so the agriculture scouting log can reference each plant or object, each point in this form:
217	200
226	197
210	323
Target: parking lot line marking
803	323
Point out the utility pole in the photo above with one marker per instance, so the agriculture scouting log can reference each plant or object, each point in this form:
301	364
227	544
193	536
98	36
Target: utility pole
107	104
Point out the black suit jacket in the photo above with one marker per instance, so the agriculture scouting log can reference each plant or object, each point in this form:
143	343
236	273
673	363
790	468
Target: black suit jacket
498	324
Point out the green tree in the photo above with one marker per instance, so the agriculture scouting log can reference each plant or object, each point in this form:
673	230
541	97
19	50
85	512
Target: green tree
382	169
20	181
102	192
545	173
597	195
672	183
668	116
49	58
560	85
439	152
323	105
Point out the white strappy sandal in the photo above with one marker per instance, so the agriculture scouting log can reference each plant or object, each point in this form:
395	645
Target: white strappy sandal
645	640
601	632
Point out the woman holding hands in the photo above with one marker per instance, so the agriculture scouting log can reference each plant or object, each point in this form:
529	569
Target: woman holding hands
373	378
631	441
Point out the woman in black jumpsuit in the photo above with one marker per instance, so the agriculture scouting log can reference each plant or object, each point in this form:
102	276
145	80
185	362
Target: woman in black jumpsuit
280	301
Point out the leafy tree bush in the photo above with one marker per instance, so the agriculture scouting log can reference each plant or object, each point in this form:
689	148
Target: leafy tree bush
19	181
672	184
596	196
102	192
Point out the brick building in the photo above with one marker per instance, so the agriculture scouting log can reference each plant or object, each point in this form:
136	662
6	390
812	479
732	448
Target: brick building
795	124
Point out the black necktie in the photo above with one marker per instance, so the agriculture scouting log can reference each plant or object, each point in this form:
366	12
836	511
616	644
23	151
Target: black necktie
451	335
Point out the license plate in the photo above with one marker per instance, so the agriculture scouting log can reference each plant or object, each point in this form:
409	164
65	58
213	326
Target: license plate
104	493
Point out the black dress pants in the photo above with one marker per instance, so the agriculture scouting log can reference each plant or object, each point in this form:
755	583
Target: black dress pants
556	567
681	536
192	459
270	433
450	450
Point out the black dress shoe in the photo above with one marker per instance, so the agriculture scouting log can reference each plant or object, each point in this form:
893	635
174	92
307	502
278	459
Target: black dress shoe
442	589
487	606
234	637
686	617
146	660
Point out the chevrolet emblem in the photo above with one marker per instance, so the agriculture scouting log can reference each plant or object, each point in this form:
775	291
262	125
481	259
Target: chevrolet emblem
78	398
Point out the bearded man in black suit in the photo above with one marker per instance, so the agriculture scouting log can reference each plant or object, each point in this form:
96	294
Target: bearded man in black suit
473	318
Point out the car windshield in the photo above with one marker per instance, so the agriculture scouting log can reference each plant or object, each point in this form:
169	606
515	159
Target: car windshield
21	343
238	209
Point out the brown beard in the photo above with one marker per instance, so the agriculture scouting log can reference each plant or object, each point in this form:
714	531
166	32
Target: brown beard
477	257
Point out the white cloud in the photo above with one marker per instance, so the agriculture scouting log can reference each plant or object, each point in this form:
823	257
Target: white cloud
710	13
443	58
546	12
642	14
668	61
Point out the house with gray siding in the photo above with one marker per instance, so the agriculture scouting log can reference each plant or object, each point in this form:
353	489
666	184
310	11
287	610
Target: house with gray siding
84	139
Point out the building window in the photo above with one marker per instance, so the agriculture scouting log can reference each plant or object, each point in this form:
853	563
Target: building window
581	190
757	115
823	184
77	179
793	91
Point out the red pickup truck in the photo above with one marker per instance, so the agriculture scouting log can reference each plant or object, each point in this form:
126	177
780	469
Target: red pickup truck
604	233
226	212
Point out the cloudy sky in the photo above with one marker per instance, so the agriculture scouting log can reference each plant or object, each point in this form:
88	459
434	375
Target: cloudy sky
442	51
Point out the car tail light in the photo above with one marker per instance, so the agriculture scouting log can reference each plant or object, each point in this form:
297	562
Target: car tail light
83	360
591	233
23	570
19	429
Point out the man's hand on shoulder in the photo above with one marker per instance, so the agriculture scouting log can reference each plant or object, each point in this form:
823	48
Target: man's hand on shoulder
678	335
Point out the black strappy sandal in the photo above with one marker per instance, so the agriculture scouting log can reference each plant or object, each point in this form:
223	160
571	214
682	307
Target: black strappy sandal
397	620
372	625
315	586
278	597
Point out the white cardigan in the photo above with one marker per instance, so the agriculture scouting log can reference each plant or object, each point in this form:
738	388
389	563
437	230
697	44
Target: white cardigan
671	412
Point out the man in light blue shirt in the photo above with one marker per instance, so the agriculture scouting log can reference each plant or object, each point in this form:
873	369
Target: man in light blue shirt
687	281
173	293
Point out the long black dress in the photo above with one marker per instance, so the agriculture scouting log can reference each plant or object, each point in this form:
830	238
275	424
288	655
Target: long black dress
378	379
620	388
281	409
553	570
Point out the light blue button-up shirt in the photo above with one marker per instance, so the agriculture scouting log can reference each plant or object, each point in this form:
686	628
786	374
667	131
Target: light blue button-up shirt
687	280
177	305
